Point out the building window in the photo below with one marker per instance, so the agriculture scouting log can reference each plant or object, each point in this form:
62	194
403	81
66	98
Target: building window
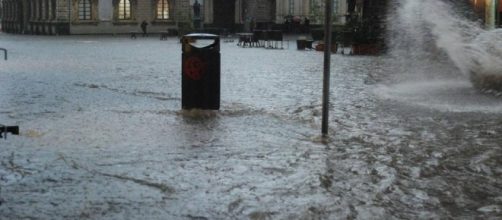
335	7
163	9
124	10
84	10
291	7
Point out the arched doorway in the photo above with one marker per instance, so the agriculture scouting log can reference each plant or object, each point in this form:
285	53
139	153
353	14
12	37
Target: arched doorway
224	14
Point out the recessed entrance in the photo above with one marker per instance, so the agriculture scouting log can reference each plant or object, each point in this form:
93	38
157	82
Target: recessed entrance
224	14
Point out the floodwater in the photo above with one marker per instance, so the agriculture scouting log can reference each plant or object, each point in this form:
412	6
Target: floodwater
103	136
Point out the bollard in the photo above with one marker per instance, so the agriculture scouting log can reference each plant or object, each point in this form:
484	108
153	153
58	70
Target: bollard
4	53
301	43
200	84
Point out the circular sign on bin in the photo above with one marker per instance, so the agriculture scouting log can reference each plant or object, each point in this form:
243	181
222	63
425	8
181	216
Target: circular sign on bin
194	68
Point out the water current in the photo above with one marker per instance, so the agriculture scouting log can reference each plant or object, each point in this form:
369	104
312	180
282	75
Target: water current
103	135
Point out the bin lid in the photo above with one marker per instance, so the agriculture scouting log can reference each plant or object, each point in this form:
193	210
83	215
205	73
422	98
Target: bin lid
202	36
189	45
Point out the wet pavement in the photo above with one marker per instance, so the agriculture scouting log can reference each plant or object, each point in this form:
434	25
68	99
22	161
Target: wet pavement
103	136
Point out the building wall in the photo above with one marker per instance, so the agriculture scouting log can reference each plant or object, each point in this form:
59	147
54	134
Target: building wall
61	17
275	11
317	10
143	10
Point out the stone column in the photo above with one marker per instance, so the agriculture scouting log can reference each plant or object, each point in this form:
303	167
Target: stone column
43	5
33	10
208	11
38	14
279	13
238	12
49	10
490	15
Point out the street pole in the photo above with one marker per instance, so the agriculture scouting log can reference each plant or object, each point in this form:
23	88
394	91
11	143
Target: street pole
327	64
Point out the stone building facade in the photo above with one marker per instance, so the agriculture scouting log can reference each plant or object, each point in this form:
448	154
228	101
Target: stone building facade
37	17
237	13
91	16
122	16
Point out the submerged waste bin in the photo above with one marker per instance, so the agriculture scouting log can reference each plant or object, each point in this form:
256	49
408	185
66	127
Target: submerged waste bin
301	43
200	83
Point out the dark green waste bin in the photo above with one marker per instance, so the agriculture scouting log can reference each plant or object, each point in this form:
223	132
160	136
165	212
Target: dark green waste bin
301	44
200	83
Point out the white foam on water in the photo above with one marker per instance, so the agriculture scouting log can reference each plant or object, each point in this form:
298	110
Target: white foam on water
429	27
442	95
435	48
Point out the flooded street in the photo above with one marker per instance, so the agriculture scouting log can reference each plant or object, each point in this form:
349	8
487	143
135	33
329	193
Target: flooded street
103	136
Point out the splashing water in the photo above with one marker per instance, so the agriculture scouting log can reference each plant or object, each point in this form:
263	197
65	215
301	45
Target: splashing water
439	54
429	27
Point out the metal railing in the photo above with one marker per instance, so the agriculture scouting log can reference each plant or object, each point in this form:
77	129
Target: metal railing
8	129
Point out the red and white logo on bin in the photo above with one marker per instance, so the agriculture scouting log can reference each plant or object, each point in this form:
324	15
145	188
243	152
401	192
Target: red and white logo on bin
194	68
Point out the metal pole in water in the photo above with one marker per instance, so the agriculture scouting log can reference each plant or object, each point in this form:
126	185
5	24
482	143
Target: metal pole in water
327	64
